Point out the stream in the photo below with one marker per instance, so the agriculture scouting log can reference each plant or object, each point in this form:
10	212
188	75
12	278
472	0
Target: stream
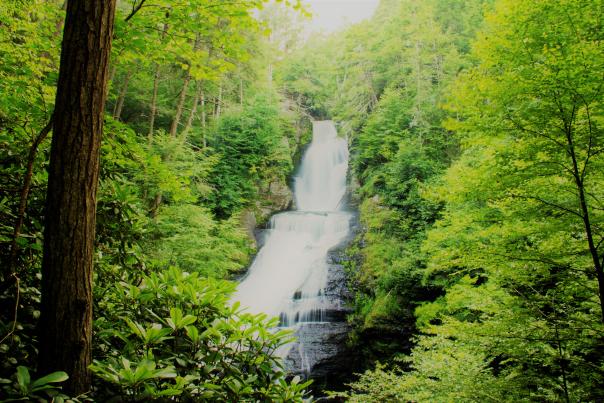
296	275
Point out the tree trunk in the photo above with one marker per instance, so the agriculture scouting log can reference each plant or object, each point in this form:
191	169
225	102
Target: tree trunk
203	117
203	109
587	225
181	104
156	77
269	74
218	106
119	105
156	204
269	70
183	93
112	72
59	23
154	103
65	325
193	110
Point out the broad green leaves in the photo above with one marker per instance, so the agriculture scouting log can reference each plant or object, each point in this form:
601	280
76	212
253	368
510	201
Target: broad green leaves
132	375
180	338
177	320
26	389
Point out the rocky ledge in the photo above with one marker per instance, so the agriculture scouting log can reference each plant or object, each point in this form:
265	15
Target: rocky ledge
322	352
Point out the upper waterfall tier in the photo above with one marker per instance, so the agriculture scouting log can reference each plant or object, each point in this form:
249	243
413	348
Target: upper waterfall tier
321	181
289	275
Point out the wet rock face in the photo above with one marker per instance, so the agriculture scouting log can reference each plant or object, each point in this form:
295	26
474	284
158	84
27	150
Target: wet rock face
248	221
278	197
322	352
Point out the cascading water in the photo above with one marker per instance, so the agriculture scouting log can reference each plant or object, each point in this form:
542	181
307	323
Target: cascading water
289	276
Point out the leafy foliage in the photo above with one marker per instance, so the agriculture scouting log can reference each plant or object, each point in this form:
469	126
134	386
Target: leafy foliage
175	334
26	388
251	153
384	81
510	232
158	199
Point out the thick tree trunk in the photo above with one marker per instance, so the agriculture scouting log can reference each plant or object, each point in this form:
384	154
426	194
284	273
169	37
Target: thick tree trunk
154	103
66	317
181	103
119	105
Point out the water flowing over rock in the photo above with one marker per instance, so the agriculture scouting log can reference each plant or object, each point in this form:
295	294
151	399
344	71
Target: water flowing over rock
295	275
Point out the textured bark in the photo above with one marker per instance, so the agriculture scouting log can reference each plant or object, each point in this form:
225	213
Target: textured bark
66	308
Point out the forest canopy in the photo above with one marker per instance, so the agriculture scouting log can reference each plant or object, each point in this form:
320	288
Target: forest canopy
475	131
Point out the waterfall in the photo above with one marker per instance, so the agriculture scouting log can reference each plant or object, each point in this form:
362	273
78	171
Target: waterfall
290	273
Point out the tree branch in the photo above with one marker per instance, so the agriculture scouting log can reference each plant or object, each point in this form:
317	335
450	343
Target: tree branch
135	9
547	203
25	193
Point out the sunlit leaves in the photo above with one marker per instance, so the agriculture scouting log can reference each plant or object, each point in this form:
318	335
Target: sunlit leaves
511	247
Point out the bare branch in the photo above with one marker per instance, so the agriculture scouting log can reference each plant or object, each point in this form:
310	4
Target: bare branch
135	8
551	204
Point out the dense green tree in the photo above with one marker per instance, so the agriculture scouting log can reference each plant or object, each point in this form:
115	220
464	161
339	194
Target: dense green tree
251	151
475	133
384	81
516	250
156	201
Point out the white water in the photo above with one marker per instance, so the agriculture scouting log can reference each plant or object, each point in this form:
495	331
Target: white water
289	275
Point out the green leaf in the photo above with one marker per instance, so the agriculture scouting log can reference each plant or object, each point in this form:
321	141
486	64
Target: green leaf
23	379
58	376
